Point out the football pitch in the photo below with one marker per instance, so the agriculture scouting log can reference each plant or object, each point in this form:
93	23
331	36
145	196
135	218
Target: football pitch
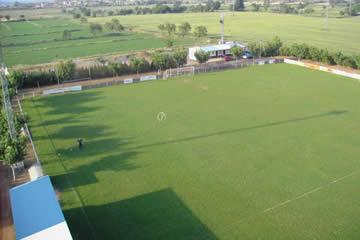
265	152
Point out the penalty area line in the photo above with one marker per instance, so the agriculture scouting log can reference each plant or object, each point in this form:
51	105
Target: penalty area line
307	193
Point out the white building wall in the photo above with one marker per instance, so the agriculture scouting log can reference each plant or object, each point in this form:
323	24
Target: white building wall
58	232
191	53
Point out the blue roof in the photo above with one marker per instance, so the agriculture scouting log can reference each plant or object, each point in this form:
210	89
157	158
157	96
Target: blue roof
35	207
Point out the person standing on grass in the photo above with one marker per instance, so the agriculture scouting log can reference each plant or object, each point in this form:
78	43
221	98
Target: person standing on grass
80	142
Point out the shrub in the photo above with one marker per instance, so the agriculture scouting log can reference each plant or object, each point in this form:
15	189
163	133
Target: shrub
202	56
180	57
315	54
256	49
338	58
41	78
163	60
326	57
272	48
101	71
65	70
285	51
357	61
119	68
237	51
300	51
17	78
139	65
349	62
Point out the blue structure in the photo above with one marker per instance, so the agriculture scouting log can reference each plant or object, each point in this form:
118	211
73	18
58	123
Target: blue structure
37	213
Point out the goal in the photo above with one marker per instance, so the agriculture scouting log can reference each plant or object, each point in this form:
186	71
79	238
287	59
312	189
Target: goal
174	72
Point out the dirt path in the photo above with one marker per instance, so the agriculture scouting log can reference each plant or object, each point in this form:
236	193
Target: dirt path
6	223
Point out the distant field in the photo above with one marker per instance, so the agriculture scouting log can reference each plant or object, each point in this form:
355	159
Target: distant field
40	41
343	34
266	152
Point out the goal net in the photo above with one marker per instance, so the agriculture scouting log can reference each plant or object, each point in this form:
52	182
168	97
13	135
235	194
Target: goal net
174	72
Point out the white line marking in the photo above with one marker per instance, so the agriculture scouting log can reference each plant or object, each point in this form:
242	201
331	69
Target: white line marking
342	178
307	193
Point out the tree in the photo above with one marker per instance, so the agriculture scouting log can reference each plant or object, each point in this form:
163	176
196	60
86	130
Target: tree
66	35
202	56
169	41
163	60
339	58
139	65
65	70
180	57
272	48
216	5
200	31
161	27
76	15
87	12
357	61
114	25
301	51
83	20
239	5
95	29
255	7
184	29
237	51
7	17
256	48
170	28
266	4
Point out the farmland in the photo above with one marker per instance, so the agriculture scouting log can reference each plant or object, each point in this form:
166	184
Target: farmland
40	41
343	34
265	152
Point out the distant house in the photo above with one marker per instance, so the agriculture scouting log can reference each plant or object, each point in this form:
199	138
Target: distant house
218	50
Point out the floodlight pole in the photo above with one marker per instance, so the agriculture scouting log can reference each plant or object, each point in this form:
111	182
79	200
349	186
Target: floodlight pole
326	15
350	9
222	28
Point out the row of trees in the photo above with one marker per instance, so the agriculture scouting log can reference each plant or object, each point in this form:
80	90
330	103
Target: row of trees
304	51
183	29
67	70
63	71
209	6
11	151
95	28
301	8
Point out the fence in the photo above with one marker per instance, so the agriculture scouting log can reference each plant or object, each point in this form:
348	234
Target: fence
35	171
322	68
188	70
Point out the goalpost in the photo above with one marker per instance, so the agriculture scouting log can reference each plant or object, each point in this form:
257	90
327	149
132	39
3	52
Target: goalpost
174	72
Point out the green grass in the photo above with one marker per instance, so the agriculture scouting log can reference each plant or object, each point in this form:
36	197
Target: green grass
234	144
343	34
40	41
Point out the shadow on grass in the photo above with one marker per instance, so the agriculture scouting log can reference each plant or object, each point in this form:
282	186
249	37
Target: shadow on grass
59	104
232	131
155	215
86	173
